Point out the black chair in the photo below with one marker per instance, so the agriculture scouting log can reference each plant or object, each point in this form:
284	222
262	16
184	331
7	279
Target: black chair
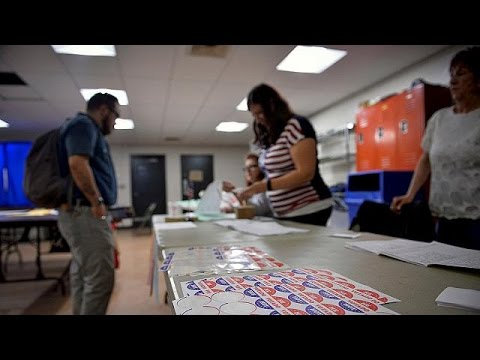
9	236
414	222
144	226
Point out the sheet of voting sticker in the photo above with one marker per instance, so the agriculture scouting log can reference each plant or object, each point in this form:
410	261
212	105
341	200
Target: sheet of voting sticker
291	288
350	287
273	300
249	302
261	298
200	260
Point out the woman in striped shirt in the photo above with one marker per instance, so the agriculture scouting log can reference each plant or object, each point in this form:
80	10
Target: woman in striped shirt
293	183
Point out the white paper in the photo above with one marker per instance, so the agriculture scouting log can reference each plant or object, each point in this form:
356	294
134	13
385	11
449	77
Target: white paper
259	228
174	225
436	253
346	235
158	218
264	218
470	261
380	246
215	217
421	253
211	199
459	298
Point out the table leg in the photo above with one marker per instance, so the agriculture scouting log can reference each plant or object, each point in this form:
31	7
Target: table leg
40	274
2	276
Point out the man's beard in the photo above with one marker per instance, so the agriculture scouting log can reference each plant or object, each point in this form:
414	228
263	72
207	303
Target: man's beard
105	128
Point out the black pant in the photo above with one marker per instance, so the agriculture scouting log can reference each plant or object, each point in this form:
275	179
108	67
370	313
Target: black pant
459	232
317	218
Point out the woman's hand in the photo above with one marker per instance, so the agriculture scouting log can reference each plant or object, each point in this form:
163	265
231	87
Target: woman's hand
255	188
420	175
399	201
227	186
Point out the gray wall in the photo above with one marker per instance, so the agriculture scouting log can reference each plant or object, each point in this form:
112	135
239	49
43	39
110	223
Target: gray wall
433	70
227	165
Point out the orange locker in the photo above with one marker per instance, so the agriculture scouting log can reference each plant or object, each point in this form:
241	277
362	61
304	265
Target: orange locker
398	124
365	138
410	127
385	135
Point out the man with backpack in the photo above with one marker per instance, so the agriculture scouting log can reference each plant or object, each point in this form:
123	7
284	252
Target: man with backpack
83	220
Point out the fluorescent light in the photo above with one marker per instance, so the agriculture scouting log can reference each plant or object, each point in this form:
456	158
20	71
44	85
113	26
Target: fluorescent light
243	105
231	126
124	124
310	59
121	95
4	124
87	50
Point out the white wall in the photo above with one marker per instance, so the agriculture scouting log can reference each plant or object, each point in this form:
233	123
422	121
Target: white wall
227	165
434	70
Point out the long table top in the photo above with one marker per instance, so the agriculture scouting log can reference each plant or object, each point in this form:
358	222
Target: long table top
416	286
28	217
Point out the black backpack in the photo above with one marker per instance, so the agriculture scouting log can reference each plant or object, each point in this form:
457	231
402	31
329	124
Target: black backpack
43	183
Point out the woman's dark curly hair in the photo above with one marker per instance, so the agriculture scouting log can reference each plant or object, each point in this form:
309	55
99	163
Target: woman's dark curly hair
276	111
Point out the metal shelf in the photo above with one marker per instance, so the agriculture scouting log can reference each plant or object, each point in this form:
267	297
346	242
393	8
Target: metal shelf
344	131
327	159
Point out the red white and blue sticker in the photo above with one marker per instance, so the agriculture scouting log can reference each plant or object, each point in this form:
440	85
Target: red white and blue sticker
290	293
206	260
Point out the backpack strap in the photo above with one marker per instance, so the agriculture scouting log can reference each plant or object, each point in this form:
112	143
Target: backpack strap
70	190
69	175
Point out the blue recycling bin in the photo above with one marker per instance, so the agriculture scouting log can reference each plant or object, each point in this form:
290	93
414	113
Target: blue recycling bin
377	185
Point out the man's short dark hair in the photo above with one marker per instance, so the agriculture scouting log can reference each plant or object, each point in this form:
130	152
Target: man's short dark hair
100	99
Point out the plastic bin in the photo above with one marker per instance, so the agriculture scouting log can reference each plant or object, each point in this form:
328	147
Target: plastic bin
380	186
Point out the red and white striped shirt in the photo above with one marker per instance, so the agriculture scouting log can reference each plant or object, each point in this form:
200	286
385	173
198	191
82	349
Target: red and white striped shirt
277	161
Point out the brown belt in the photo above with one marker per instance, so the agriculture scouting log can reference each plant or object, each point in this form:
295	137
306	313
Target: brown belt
81	202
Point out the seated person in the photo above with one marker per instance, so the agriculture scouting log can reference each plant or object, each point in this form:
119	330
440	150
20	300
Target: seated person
252	174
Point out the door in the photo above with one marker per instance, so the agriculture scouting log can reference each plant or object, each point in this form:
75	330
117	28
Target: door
148	183
197	173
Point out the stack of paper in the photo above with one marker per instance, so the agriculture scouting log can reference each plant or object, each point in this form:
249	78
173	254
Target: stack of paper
459	298
383	246
421	253
346	235
259	228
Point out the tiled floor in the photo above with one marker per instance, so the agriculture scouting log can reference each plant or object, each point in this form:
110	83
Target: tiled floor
16	296
131	294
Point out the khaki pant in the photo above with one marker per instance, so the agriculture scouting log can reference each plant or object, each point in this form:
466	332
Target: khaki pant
92	268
